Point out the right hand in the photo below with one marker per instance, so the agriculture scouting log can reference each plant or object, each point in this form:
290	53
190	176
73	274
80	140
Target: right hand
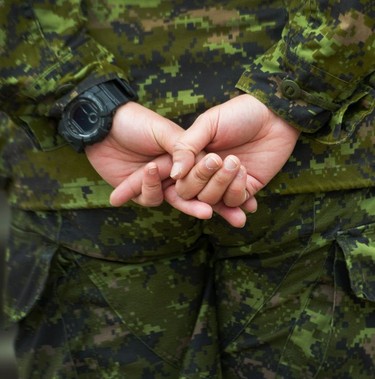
244	127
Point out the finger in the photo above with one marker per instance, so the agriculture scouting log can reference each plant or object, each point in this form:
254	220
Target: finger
198	177
236	193
131	187
152	191
223	179
234	216
128	189
183	161
250	205
192	207
190	144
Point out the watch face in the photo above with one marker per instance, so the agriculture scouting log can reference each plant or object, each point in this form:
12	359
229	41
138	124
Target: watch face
85	116
87	119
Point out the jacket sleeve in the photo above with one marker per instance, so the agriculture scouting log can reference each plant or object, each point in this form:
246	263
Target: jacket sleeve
320	75
45	52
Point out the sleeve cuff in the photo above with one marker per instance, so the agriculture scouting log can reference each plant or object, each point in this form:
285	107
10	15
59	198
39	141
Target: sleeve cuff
34	106
307	109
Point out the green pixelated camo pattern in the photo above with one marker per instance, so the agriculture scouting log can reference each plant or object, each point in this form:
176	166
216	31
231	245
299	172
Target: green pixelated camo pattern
112	293
183	57
117	295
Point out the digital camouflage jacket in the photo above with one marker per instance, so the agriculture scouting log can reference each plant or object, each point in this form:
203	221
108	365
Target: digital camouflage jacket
311	62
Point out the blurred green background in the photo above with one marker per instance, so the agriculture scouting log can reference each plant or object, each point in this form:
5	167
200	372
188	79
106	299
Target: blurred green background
7	363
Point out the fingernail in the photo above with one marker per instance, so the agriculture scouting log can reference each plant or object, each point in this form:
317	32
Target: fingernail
230	163
152	170
212	163
176	170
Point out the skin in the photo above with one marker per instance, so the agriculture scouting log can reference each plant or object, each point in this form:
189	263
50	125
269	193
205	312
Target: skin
135	159
219	164
244	127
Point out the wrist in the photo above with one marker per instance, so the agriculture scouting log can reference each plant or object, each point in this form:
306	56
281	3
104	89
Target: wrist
88	117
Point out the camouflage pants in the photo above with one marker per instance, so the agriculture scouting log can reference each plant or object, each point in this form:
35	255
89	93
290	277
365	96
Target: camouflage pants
149	293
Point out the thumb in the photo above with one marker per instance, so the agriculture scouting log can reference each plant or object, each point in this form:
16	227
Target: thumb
188	147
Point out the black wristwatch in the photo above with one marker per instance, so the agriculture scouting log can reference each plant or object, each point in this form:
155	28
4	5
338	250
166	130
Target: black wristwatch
87	119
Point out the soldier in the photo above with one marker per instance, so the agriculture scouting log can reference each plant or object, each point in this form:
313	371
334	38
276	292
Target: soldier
100	94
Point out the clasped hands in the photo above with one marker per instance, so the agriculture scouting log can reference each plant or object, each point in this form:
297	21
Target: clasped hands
218	165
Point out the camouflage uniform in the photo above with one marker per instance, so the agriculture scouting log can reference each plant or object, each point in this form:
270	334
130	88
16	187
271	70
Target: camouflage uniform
152	293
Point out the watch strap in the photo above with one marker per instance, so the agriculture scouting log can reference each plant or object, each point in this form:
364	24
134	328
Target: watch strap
111	94
67	92
114	93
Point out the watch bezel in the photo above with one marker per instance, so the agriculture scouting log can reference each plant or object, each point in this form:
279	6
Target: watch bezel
75	133
102	113
106	97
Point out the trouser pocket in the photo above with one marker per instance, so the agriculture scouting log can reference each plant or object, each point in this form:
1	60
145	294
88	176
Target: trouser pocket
153	318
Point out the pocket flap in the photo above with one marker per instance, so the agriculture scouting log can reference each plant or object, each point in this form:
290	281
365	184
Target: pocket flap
27	268
358	245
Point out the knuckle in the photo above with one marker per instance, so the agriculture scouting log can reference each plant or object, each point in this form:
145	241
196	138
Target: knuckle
153	188
208	200
184	148
236	192
151	201
182	191
222	179
201	174
156	203
234	197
